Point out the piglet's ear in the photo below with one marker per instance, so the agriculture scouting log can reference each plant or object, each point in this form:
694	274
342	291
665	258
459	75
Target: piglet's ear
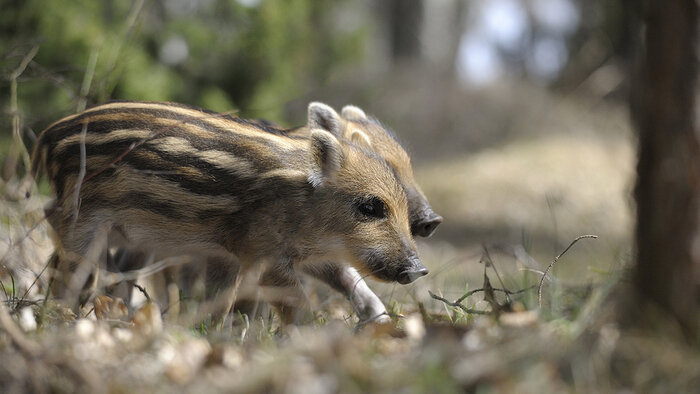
326	157
323	117
359	137
351	112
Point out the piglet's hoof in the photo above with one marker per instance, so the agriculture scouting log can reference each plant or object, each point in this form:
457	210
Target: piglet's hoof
375	321
381	319
381	327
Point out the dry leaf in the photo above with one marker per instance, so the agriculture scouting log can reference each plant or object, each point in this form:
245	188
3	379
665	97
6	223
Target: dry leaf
110	308
148	320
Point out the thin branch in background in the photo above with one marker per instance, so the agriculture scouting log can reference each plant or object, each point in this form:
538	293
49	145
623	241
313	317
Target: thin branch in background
493	266
546	271
526	269
84	90
458	305
131	23
489	291
36	278
55	77
506	291
87	78
2	285
468	294
150	268
14	108
81	175
490	297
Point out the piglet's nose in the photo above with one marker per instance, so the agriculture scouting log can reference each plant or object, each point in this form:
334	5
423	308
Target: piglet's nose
417	274
415	271
426	227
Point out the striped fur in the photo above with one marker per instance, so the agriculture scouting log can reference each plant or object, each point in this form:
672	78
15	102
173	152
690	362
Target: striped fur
171	179
355	126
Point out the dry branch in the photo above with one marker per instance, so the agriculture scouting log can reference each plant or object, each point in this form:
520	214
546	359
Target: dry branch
546	271
458	304
143	291
14	108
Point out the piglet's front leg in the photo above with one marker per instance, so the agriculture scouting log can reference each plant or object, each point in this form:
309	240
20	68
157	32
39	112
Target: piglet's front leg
282	289
348	281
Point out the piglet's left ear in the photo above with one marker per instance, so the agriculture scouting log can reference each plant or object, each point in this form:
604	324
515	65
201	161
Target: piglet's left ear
326	157
322	116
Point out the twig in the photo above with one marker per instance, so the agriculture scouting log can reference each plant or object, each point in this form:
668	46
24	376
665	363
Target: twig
81	175
468	294
490	297
36	278
526	269
17	304
14	108
111	278
457	305
143	290
2	286
87	78
458	302
506	291
546	271
110	80
493	266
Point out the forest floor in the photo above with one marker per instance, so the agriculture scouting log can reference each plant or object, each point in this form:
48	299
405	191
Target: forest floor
510	210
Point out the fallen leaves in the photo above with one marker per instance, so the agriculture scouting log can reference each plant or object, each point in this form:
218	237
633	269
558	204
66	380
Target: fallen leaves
147	320
109	308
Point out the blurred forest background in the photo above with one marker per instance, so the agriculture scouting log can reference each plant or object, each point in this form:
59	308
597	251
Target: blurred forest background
515	113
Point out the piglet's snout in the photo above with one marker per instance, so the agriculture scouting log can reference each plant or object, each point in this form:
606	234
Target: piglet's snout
426	224
413	271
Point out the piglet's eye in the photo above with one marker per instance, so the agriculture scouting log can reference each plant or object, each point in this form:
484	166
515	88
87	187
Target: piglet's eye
372	208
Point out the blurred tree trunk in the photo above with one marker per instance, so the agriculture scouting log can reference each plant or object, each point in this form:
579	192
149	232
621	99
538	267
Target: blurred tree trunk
456	31
404	20
607	35
668	184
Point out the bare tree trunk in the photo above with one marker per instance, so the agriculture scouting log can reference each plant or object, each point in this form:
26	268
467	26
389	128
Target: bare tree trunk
405	18
668	185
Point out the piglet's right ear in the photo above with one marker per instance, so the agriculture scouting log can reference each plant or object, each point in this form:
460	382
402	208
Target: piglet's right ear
352	112
326	157
360	138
